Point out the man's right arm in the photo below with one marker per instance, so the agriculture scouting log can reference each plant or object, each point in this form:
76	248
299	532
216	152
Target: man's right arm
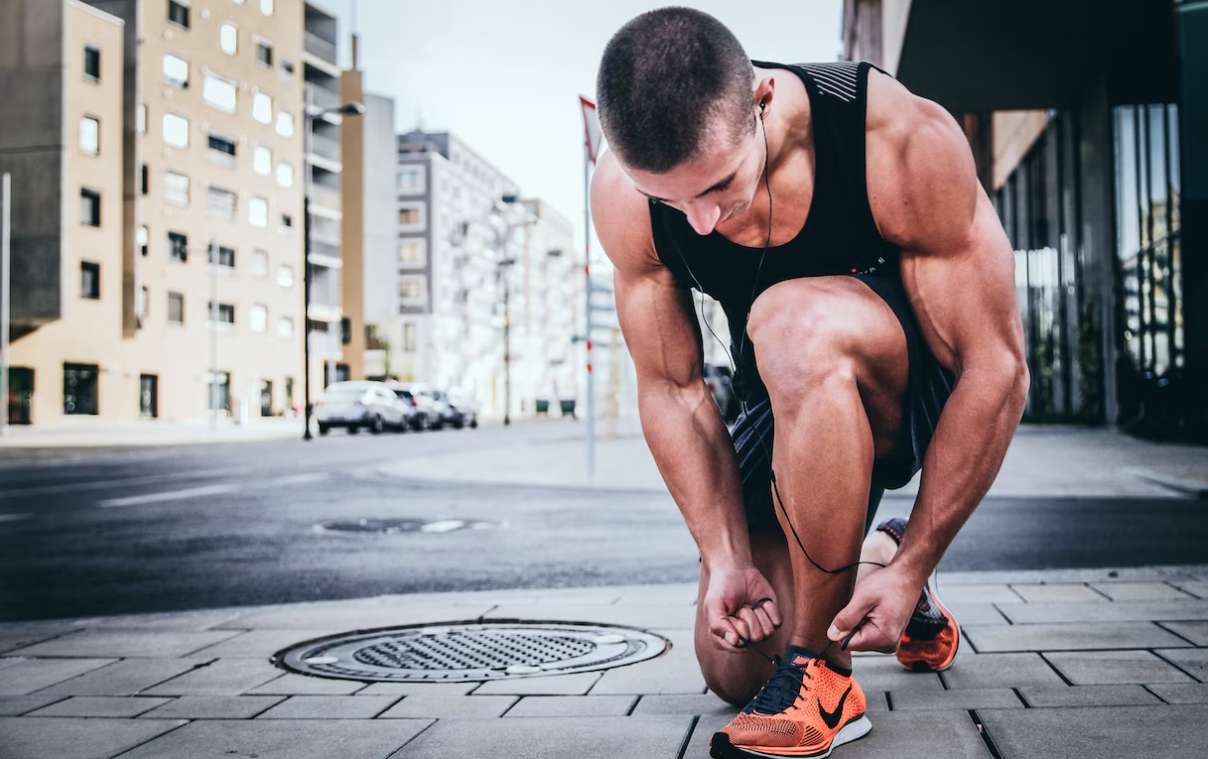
680	420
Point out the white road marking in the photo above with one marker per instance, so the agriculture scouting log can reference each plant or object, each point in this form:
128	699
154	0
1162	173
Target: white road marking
444	525
299	479
170	495
101	484
13	517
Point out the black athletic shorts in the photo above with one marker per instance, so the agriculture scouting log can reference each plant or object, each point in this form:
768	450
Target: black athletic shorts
928	388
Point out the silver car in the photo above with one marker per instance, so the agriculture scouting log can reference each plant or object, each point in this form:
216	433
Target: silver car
357	405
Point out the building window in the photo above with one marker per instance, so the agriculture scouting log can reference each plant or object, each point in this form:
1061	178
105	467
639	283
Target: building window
287	222
411	217
285	124
287	68
262	107
412	291
142	305
79	388
285	276
92	63
144	179
411	179
219	92
176	189
257	212
90	135
220	391
148	396
178	247
259	263
176	308
262	160
221	255
221	203
176	130
409	337
266	397
285	174
228	38
90	207
143	238
178	12
412	253
140	118
345	330
222	313
264	52
176	71
222	149
266	7
257	317
285	327
90	280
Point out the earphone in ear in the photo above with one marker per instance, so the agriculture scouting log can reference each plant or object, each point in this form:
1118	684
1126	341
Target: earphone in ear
763	107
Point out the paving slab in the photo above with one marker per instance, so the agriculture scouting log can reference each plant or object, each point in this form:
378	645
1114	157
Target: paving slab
329	707
576	684
349	618
671	594
123	678
572	706
697	703
977	612
450	707
1141	591
126	643
1087	695
23	676
1193	661
14	706
259	644
281	739
1197	588
221	677
917	735
679	616
1057	592
1171	732
884	672
293	684
972	670
214	707
651	737
1182	693
407	689
973	593
1069	636
662	675
76	738
100	706
1195	631
11	641
969	698
1119	611
196	619
1115	667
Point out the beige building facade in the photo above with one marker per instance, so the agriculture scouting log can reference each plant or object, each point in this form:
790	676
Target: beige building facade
179	239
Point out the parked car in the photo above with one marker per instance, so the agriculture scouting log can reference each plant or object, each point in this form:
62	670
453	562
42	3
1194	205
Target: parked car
466	409
721	384
421	414
450	413
359	405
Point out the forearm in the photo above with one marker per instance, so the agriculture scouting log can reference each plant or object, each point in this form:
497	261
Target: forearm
966	452
692	450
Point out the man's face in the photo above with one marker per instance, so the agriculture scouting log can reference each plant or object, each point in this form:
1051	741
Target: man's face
719	184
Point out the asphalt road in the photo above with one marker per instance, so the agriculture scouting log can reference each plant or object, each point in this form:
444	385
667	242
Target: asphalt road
105	532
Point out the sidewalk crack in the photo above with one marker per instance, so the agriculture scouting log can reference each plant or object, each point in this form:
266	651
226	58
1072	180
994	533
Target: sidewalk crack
687	737
985	735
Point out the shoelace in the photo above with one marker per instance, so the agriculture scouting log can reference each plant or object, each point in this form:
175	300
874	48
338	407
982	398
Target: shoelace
783	689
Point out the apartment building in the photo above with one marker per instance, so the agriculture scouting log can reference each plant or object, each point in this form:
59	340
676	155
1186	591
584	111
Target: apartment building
170	285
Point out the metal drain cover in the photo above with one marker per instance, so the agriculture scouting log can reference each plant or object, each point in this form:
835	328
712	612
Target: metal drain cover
479	651
395	526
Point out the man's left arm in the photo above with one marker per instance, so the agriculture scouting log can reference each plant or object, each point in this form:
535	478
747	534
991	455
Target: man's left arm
958	270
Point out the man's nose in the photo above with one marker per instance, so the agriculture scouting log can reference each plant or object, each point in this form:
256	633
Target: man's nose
703	217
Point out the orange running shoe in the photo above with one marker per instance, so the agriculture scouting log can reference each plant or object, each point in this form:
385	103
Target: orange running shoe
932	636
806	709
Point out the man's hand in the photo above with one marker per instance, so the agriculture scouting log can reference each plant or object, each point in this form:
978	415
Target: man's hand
878	611
740	602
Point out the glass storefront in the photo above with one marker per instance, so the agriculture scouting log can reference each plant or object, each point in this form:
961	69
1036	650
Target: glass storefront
1039	207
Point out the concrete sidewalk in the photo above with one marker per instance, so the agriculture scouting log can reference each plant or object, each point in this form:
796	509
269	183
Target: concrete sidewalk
1088	663
88	432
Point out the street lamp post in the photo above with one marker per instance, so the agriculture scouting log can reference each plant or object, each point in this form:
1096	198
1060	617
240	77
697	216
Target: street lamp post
501	272
347	109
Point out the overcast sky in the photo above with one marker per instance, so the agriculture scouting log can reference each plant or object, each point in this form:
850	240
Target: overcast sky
505	76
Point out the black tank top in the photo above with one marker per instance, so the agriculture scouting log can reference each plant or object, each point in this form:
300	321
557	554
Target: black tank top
839	236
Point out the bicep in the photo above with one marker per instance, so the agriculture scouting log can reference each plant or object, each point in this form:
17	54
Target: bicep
660	328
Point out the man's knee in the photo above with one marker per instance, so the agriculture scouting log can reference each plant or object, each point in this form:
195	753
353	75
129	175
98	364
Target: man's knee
734	678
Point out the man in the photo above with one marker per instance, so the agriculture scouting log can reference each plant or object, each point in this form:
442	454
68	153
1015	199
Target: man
869	290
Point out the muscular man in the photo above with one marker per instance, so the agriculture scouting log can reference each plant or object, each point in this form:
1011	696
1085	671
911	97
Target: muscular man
869	290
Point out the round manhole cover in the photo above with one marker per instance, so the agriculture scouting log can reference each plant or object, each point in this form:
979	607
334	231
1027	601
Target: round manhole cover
482	651
395	526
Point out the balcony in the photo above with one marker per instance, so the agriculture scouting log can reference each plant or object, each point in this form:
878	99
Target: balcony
320	98
324	197
320	48
325	147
